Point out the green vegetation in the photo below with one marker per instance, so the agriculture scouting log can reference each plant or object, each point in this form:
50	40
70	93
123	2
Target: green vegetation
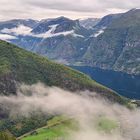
58	127
30	68
106	125
22	66
61	127
51	133
6	136
21	125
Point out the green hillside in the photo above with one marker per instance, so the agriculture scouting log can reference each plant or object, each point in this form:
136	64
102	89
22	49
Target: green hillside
20	66
6	136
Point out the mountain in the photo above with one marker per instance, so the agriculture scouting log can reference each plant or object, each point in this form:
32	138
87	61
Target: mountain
61	39
16	22
107	20
111	43
118	46
89	23
12	29
20	66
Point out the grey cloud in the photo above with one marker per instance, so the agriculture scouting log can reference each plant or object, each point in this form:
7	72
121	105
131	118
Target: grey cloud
84	5
80	6
52	8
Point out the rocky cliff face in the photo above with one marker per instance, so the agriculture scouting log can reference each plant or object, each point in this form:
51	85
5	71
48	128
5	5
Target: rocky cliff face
60	39
118	47
89	23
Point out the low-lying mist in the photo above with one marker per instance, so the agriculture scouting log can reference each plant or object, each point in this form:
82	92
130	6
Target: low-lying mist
85	110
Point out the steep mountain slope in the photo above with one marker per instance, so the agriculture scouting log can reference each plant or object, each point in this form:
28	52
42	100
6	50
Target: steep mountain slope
89	23
20	66
61	39
16	22
107	20
112	43
62	24
118	46
12	30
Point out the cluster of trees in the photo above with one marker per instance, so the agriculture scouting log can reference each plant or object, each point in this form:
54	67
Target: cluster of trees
6	136
22	125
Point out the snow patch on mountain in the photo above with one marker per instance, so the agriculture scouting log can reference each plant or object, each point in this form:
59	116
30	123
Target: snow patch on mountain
77	35
50	33
136	9
98	33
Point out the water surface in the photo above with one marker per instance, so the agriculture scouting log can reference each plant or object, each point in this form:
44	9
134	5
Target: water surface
125	84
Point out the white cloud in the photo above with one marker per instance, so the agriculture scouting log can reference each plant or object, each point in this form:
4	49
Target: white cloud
6	37
52	8
80	106
51	33
24	30
20	30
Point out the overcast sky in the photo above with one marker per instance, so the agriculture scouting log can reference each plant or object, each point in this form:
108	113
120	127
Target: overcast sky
40	9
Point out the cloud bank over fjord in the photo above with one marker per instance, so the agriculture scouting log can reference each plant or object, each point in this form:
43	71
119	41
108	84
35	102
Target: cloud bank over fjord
87	111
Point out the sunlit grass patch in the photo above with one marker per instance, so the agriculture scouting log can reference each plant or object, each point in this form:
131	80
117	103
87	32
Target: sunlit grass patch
58	127
106	125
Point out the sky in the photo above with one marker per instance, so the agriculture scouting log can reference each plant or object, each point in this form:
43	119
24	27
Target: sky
42	9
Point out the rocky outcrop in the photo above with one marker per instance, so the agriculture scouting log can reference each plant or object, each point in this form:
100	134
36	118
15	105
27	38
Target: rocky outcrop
118	47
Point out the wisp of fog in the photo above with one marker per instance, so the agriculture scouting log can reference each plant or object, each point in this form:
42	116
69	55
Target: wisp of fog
78	105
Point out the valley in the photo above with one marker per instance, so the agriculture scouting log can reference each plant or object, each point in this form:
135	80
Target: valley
69	70
107	43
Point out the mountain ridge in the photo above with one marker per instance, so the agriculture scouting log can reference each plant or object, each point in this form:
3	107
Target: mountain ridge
108	45
118	45
18	66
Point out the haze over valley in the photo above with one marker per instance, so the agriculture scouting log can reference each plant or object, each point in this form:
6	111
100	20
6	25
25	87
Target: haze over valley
69	71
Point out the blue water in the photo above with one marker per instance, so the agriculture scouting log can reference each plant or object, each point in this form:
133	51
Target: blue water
125	84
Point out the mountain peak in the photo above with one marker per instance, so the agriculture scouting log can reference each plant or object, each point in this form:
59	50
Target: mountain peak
64	24
61	18
134	10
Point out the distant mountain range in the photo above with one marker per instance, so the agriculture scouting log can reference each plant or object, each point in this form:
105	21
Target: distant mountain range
112	42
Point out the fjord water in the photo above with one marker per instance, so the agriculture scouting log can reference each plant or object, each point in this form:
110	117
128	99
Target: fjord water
125	84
